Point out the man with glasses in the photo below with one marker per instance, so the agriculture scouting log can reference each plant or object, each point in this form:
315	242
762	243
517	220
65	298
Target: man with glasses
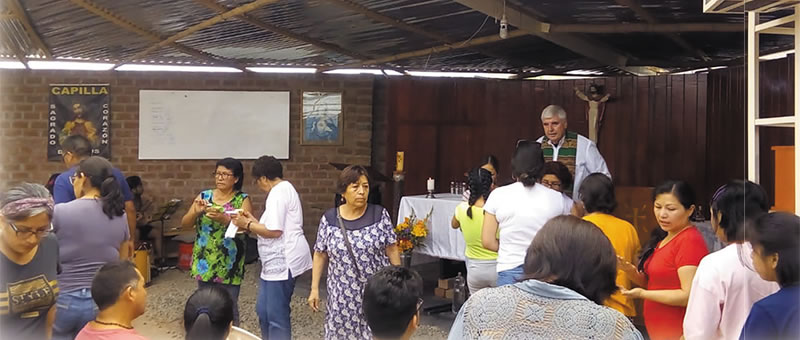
577	152
392	300
75	149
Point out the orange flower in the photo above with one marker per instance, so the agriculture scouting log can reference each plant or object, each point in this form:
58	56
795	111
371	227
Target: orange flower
419	230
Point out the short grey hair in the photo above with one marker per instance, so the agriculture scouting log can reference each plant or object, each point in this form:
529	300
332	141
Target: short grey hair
26	200
554	110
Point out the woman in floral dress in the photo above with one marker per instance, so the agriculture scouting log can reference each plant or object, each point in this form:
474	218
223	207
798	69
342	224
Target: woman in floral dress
217	260
369	246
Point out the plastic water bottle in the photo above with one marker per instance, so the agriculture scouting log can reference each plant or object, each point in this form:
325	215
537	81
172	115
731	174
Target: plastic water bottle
459	292
452	187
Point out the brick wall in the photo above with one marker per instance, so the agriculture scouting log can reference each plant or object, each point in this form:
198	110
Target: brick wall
23	137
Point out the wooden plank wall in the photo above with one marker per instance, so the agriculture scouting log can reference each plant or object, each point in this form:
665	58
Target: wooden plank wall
727	116
654	127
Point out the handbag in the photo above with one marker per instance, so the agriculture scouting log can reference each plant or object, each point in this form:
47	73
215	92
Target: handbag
347	242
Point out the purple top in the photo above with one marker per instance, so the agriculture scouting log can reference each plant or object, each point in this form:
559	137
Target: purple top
87	239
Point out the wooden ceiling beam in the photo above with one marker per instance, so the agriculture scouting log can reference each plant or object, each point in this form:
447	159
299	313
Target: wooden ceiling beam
524	21
205	24
429	51
19	12
645	28
132	27
219	8
646	16
355	7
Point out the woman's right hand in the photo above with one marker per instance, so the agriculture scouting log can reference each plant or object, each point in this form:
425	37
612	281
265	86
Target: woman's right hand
199	205
313	300
626	266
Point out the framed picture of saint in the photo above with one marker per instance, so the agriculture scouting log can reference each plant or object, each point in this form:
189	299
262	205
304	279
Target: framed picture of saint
321	118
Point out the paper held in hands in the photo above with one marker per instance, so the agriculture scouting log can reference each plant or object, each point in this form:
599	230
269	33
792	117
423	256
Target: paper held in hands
232	228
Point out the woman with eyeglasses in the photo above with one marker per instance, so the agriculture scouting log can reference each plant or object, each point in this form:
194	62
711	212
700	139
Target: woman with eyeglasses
725	286
668	262
216	260
92	231
28	263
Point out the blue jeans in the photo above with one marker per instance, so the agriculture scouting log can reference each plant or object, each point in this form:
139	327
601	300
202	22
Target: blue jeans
73	311
274	310
509	277
233	290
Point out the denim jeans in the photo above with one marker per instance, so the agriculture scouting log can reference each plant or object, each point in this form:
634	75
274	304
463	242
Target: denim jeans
509	277
233	290
73	311
273	308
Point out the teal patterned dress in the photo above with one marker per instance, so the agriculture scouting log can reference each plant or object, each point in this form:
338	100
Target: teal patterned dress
215	258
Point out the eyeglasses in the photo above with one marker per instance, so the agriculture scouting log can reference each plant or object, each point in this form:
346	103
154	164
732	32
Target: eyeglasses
26	233
73	178
551	185
222	175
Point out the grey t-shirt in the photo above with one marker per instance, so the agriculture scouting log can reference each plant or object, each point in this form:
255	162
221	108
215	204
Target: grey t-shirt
27	292
87	240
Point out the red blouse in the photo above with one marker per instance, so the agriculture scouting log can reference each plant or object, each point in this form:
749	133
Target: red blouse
686	249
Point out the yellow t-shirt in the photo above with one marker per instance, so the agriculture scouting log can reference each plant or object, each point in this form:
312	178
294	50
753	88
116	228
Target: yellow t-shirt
625	241
471	229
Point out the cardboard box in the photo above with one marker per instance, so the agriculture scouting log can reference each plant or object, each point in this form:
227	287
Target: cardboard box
449	294
440	292
447	283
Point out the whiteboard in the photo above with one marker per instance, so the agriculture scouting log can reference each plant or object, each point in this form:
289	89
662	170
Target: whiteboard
213	124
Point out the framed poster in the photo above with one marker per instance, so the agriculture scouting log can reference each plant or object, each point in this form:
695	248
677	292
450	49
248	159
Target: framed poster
79	109
322	118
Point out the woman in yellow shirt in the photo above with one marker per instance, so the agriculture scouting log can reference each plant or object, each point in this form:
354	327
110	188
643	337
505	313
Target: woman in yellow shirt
597	195
481	262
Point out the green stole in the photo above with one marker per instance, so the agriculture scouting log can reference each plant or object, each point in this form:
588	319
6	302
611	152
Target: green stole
566	154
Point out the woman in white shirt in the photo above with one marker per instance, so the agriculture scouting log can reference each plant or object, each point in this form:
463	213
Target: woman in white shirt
519	210
724	288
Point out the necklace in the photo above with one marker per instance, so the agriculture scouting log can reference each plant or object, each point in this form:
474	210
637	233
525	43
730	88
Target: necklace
112	324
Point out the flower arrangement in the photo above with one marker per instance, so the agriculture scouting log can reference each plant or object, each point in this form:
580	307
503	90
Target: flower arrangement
411	232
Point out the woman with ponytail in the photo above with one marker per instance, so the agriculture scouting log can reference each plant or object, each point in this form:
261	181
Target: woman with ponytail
208	314
92	231
481	262
518	211
668	262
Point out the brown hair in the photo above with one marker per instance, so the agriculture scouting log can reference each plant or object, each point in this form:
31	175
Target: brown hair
551	258
348	176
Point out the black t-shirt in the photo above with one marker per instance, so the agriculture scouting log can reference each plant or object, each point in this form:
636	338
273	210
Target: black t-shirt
28	291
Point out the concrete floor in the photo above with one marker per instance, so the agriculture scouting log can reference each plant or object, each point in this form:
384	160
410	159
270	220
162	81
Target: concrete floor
168	293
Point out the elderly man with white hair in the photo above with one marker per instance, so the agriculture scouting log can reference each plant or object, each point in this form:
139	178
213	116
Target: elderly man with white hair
577	152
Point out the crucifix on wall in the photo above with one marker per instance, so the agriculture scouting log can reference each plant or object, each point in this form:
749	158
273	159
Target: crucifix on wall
596	106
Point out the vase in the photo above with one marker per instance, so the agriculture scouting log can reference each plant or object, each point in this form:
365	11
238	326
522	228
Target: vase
406	259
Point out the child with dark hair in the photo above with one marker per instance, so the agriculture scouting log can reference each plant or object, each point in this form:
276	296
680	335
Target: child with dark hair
776	257
481	262
597	195
725	287
392	299
118	290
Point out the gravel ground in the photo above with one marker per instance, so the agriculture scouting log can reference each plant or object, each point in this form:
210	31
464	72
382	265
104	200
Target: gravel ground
168	293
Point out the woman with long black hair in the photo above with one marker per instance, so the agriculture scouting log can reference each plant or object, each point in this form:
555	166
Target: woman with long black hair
481	262
92	231
668	262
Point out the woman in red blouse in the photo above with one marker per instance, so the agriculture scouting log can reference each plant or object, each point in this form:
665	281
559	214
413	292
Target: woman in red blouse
668	262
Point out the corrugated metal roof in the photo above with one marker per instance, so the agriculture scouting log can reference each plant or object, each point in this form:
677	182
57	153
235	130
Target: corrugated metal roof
72	31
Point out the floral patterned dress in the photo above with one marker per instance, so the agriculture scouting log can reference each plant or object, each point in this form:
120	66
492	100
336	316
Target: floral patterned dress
215	258
369	236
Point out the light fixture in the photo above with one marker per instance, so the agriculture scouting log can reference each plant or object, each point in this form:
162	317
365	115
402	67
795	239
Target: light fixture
355	71
10	64
503	27
176	68
282	69
776	55
68	65
584	73
461	74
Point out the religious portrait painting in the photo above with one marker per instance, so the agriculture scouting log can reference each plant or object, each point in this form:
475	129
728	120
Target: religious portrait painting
79	110
322	118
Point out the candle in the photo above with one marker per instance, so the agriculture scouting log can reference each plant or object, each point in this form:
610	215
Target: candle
431	184
400	157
